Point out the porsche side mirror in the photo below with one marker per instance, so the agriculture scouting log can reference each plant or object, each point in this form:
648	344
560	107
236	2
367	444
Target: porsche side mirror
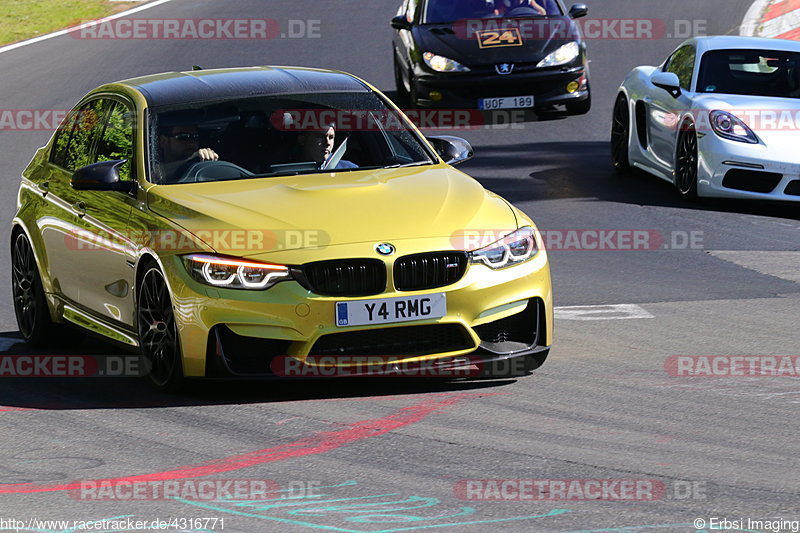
578	10
453	150
400	22
102	176
668	81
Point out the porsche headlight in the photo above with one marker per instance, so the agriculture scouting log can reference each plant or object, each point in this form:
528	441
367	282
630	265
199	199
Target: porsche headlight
443	64
729	126
512	249
565	54
230	273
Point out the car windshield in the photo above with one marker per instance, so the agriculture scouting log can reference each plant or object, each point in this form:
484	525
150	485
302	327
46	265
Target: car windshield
750	72
446	11
279	136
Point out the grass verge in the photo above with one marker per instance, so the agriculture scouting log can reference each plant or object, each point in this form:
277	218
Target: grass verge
25	19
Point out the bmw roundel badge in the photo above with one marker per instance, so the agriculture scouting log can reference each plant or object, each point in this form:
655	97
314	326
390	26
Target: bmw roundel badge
384	248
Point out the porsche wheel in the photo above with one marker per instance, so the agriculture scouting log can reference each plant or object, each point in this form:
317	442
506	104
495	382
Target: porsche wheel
620	136
686	162
30	305
158	333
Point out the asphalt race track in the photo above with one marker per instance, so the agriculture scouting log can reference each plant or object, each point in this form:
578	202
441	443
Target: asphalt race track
397	455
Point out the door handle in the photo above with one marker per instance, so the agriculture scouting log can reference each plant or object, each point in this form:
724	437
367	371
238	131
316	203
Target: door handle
44	188
80	208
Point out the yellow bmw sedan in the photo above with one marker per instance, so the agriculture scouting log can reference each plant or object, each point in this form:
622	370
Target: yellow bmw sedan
251	222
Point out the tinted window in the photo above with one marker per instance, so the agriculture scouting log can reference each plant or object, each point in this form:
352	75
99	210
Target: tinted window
116	141
750	72
73	147
281	135
62	138
682	64
441	11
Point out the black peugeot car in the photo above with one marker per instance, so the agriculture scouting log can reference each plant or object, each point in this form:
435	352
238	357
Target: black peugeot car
491	54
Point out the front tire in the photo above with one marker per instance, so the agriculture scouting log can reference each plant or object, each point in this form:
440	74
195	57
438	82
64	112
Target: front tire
413	93
158	332
620	136
30	304
400	85
686	162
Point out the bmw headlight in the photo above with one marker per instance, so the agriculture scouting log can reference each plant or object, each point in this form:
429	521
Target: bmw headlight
729	126
512	249
230	273
565	54
443	64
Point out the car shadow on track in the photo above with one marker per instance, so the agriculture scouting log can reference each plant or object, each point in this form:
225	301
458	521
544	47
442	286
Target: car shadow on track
66	393
546	171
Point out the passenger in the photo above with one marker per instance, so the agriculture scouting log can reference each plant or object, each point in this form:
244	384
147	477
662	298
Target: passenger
317	146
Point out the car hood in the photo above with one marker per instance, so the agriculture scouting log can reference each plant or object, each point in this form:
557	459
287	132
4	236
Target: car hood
458	40
332	209
776	121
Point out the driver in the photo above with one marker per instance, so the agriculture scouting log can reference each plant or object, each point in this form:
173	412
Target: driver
179	145
516	8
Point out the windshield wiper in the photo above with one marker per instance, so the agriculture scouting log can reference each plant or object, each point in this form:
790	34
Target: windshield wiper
414	164
335	170
283	173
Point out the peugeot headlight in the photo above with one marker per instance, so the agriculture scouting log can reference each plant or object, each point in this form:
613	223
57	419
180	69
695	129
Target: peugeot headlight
565	54
512	249
230	273
443	64
729	126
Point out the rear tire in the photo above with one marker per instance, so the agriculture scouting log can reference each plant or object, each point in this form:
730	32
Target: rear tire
158	333
620	136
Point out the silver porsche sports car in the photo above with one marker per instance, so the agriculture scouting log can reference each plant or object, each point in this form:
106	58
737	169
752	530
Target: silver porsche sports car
720	117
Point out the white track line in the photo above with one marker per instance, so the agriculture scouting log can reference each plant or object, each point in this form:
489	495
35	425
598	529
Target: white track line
602	312
59	33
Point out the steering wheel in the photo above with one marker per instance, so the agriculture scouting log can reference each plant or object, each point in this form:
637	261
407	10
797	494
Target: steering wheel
212	171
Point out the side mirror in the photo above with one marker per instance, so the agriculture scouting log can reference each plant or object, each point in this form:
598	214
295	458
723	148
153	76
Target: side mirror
102	176
578	10
453	150
400	22
668	81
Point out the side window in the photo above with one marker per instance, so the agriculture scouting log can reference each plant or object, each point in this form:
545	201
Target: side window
61	144
116	139
682	64
73	146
